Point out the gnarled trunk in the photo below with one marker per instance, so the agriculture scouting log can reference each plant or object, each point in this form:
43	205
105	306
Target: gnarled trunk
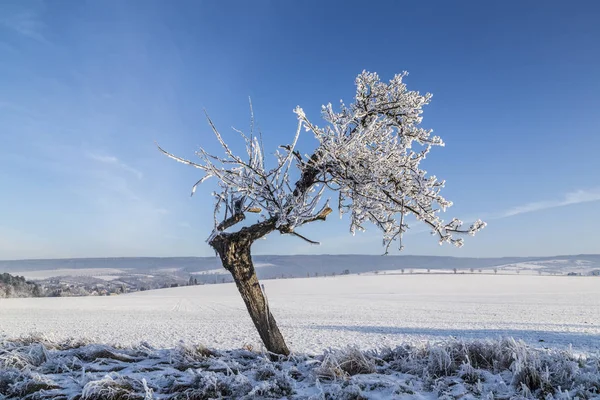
234	252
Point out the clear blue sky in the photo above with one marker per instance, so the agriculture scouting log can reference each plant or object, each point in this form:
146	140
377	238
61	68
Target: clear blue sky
86	87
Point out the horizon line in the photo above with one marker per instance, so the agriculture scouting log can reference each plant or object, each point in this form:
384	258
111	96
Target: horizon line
293	255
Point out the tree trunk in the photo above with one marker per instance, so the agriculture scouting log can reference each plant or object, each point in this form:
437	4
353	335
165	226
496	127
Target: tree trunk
234	252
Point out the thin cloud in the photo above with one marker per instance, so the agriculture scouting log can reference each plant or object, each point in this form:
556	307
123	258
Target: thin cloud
580	196
114	161
26	23
576	197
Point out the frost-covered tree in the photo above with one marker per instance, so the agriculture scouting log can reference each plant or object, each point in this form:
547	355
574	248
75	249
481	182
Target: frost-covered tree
368	156
17	286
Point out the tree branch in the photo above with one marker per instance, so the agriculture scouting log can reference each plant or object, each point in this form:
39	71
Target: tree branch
365	153
303	237
258	230
179	159
231	221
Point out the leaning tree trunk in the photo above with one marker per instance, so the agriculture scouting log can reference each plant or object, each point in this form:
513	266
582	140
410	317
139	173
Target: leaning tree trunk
234	252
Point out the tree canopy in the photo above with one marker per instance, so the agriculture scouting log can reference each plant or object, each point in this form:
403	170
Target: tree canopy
368	154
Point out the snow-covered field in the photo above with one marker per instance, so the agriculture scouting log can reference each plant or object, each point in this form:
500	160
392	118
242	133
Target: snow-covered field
493	369
50	273
317	313
443	332
560	267
222	270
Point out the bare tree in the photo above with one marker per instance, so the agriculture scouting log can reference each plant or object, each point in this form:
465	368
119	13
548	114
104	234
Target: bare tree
368	153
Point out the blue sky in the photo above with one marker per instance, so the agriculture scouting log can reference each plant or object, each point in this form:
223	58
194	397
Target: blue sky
87	87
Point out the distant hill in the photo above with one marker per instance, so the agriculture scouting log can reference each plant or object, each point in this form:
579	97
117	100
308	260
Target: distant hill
301	265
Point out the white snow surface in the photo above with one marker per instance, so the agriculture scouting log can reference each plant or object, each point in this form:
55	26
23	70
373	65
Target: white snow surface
51	273
108	277
581	267
222	270
34	368
331	312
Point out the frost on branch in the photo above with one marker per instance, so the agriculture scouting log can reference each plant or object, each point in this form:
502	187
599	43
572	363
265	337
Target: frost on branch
368	153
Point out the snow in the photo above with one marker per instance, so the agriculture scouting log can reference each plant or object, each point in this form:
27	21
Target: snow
34	368
581	267
172	269
51	273
421	336
369	311
224	271
210	271
260	265
107	277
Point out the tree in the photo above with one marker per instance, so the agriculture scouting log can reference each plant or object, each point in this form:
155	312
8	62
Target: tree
17	286
368	154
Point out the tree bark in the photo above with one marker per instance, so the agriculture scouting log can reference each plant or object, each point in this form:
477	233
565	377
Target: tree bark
234	251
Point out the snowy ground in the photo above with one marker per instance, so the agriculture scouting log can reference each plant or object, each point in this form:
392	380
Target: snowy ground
222	270
421	336
494	369
51	273
553	267
319	313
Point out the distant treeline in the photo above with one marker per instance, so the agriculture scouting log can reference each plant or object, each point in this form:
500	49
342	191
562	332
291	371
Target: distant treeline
17	286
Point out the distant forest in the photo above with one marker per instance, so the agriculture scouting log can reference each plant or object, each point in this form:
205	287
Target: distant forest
17	286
